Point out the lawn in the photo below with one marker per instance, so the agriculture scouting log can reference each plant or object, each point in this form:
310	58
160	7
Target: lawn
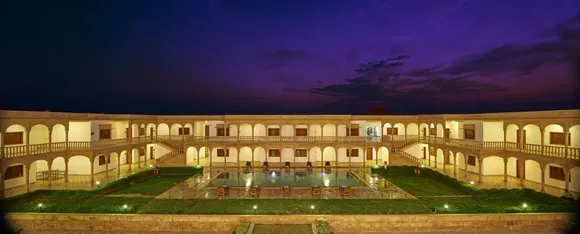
429	184
154	185
282	229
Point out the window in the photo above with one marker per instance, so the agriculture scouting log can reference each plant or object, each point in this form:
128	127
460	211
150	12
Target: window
432	151
447	133
432	131
14	138
273	132
392	131
273	153
223	153
221	131
469	134
13	172
557	173
354	132
142	152
141	131
471	160
104	134
301	132
557	138
352	153
183	131
300	153
102	160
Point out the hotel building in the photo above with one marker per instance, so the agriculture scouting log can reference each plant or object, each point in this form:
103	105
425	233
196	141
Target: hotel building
49	149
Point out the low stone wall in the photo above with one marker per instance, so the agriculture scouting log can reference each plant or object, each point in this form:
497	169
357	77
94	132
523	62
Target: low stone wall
341	223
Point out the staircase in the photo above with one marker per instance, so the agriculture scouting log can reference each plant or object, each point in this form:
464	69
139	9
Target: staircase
175	158
398	157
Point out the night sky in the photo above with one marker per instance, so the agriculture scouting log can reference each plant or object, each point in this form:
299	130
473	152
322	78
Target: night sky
289	56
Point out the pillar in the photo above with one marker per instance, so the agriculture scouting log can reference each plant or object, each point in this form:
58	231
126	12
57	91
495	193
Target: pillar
505	139
27	177
107	160
252	150
198	153
480	161
118	166
435	159
130	159
465	157
210	157
543	170
66	170
138	158
542	141
567	179
49	142
349	156
92	171
522	164
455	165
27	133
66	138
521	136
505	160
566	143
49	174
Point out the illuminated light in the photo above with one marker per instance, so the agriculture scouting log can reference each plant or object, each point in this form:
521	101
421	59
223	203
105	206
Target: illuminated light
248	182
422	165
255	207
150	165
125	206
471	182
312	207
273	174
524	205
98	182
326	182
446	206
40	204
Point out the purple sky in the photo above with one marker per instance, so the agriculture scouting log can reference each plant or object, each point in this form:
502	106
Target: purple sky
422	56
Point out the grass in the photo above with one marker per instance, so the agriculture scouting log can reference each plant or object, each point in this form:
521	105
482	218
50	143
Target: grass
282	229
429	184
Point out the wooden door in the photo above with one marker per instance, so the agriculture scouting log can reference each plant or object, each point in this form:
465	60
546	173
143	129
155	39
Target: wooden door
152	133
520	169
151	151
447	133
206	130
446	158
523	138
370	153
424	152
127	133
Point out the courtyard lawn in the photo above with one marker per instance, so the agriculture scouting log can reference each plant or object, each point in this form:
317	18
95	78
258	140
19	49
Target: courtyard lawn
430	184
154	185
282	229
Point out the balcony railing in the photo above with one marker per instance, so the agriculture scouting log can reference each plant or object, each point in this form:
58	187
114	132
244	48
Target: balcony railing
553	151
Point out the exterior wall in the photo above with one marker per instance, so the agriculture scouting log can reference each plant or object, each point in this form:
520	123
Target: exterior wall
492	131
493	165
478	129
80	131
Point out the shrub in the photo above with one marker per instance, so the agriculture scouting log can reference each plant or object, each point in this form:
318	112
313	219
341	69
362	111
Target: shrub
242	228
322	227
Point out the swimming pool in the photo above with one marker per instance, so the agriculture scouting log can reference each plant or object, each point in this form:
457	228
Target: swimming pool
285	178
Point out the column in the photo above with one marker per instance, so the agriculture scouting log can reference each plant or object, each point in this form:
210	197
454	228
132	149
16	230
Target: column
252	126
455	165
66	170
504	139
27	177
252	150
387	133
49	142
465	165
521	136
210	157
543	170
118	166
435	159
107	160
566	143
130	159
198	153
336	132
238	151
542	140
49	174
27	133
567	178
145	158
522	172
92	171
505	160
66	138
480	160
349	156
308	154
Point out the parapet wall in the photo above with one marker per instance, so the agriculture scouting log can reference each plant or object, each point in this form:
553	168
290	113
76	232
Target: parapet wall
340	223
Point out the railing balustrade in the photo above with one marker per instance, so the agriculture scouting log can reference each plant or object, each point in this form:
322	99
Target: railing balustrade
547	150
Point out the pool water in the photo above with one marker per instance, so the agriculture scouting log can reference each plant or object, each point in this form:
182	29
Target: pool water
285	178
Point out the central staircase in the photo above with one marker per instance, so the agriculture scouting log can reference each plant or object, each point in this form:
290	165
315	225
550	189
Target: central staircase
398	157
175	158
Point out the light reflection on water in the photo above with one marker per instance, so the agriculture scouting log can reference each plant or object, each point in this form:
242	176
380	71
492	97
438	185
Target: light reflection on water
285	178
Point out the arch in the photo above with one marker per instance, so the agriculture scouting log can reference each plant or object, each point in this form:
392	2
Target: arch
37	166
174	130
134	130
385	127
58	163
204	152
14	182
383	154
245	154
315	154
245	130
123	158
190	155
315	130
259	130
551	128
39	134
18	128
440	130
512	166
511	133
135	155
533	134
451	157
329	153
79	165
400	128
553	182
575	137
533	171
424	129
58	133
440	156
493	165
329	130
460	160
163	129
287	130
412	129
190	127
260	154
150	129
114	160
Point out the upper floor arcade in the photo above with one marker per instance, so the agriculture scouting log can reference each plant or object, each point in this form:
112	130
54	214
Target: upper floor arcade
551	133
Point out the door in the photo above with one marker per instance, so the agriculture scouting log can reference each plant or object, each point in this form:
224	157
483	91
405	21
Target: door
523	140
206	130
446	158
424	152
152	133
447	133
520	169
127	133
370	153
151	152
